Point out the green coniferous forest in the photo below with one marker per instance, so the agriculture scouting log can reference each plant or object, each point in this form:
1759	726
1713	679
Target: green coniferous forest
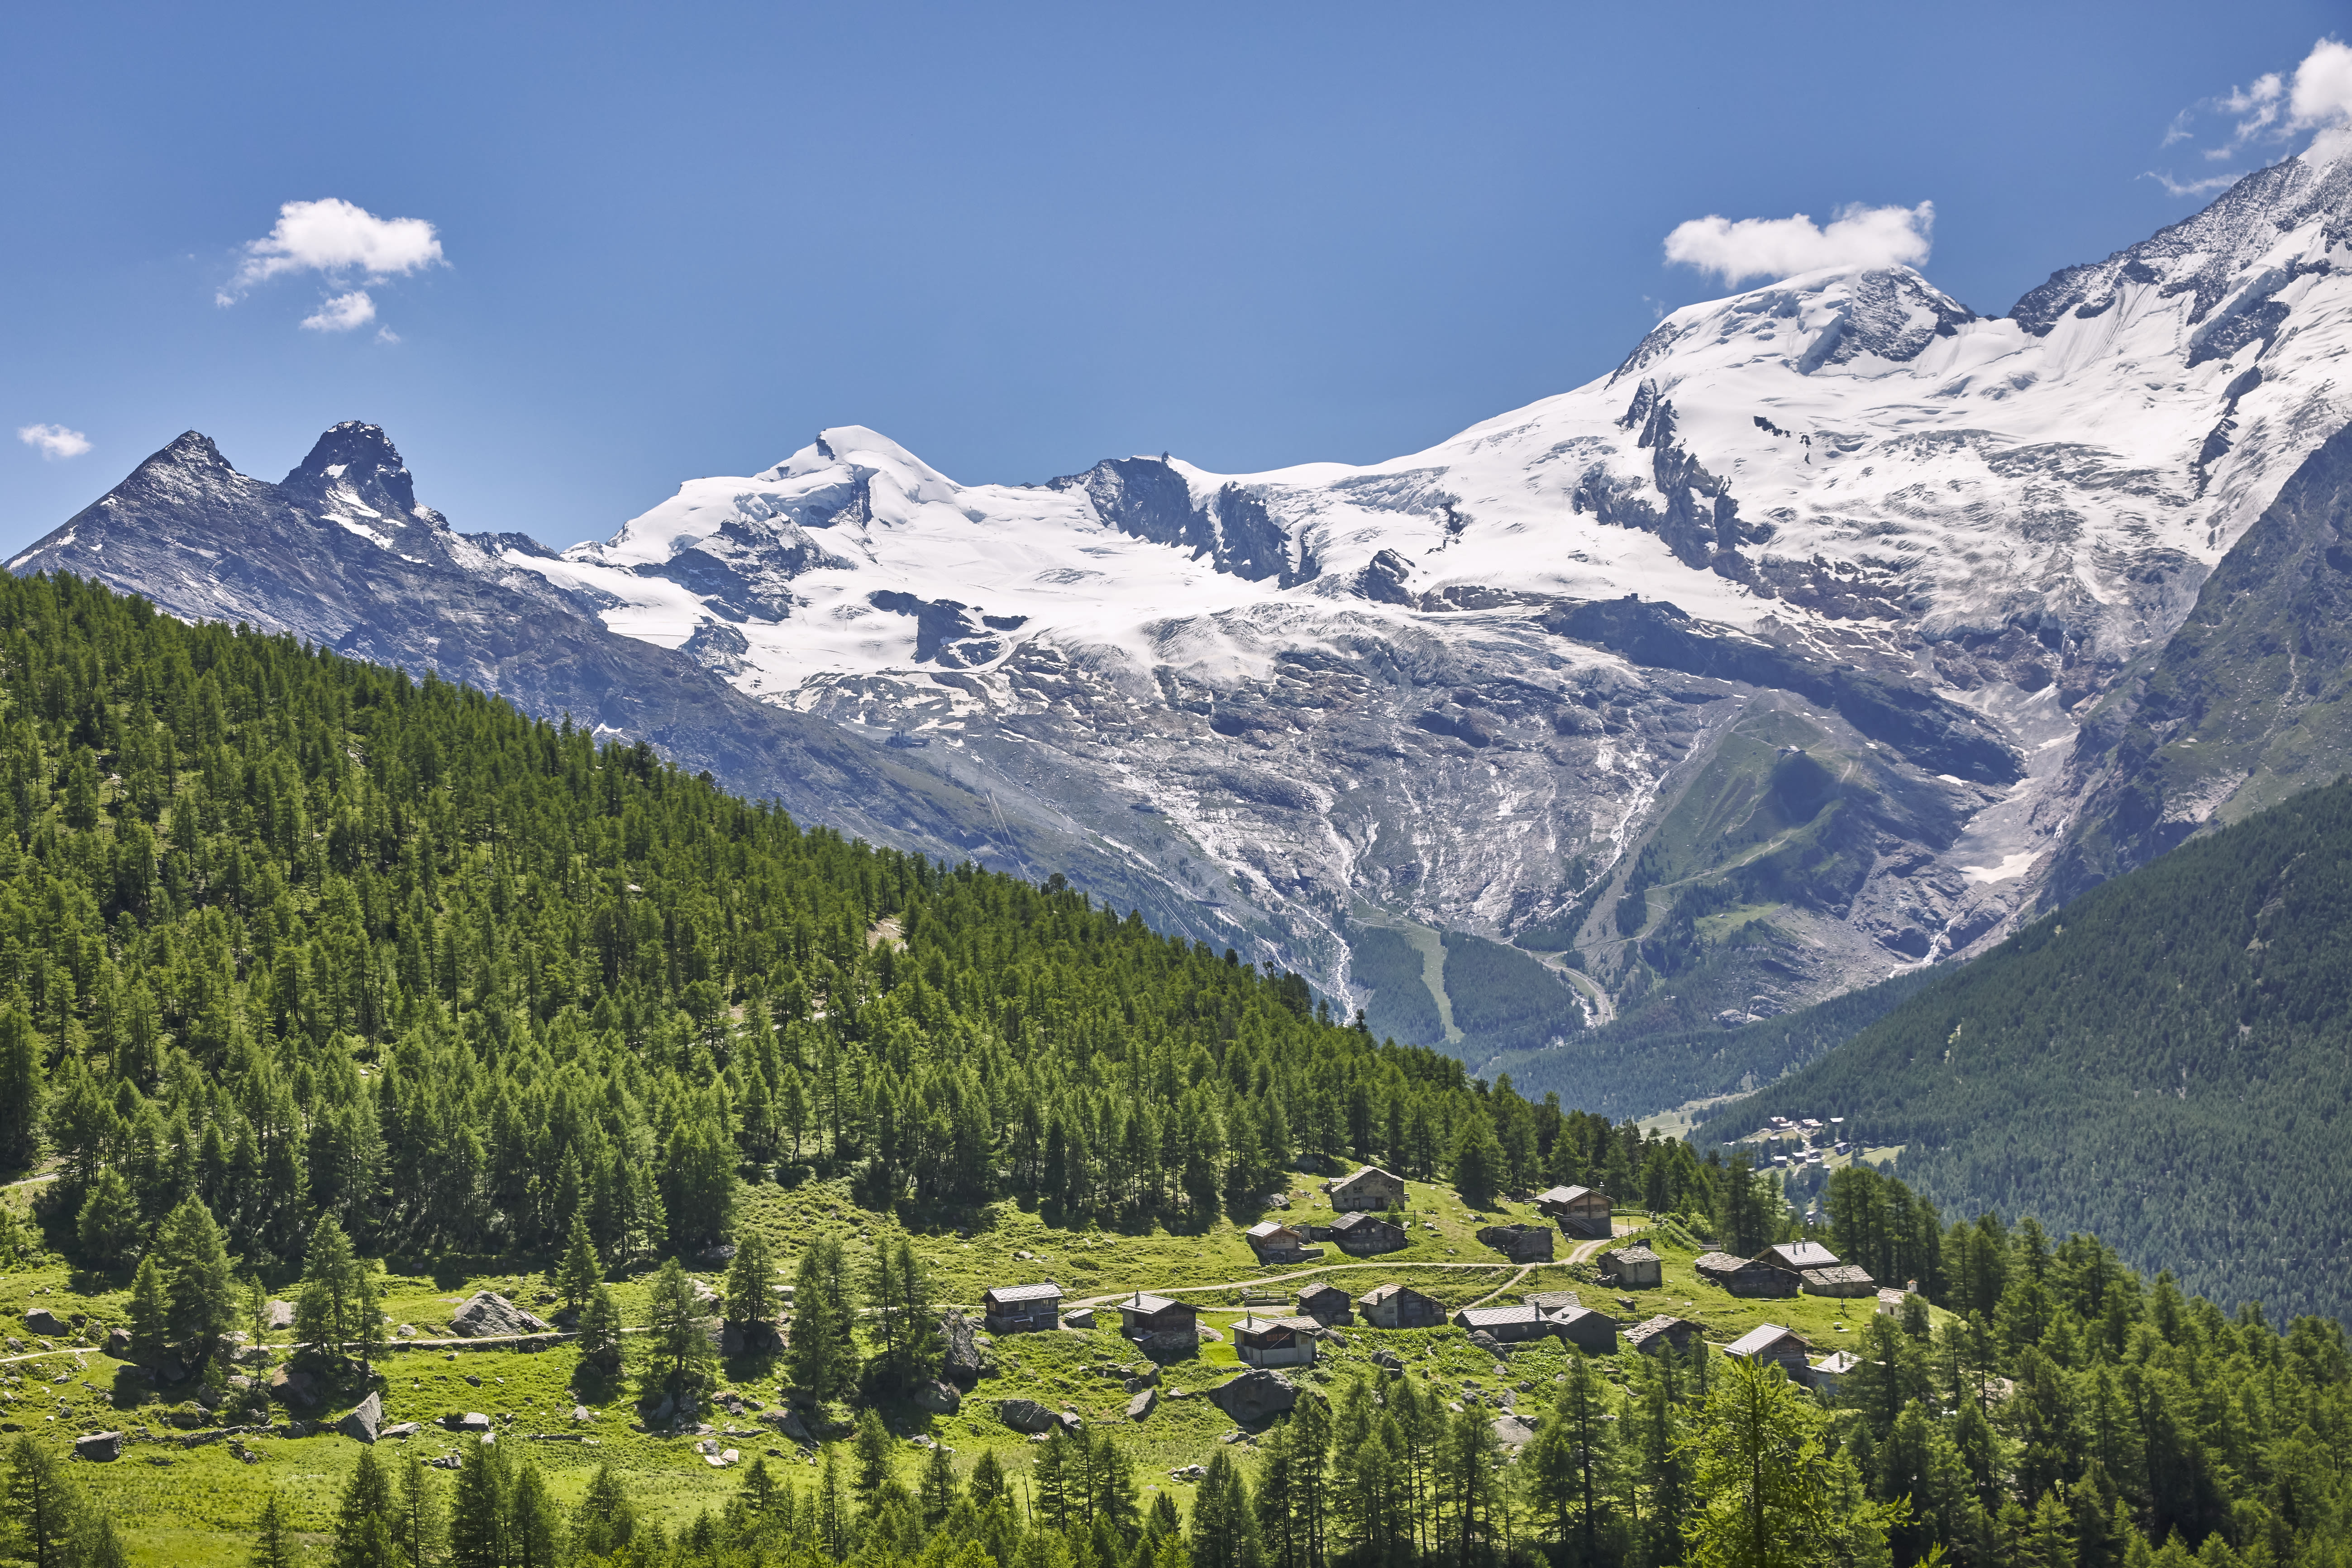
313	977
2167	1062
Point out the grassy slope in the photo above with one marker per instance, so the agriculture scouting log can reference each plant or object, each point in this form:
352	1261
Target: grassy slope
192	1505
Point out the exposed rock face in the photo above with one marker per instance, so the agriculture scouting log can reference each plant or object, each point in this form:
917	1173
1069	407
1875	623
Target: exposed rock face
1255	1395
117	1343
1025	1414
1145	1401
487	1314
938	1397
363	1422
1512	1432
292	1387
962	1360
46	1323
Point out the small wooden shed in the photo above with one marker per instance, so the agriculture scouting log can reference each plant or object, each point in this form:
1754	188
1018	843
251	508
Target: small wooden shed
1519	1242
1653	1334
1366	1235
1747	1276
1276	1341
1370	1188
1395	1306
1783	1347
1580	1211
1510	1325
1021	1308
1326	1303
1634	1268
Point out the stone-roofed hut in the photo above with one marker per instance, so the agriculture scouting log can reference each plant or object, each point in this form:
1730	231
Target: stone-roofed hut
1021	1308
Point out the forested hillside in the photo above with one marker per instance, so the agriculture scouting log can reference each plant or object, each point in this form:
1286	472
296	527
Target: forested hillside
2167	1062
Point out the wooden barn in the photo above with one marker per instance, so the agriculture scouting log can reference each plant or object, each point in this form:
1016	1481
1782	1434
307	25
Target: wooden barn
1277	1243
1747	1276
1365	1235
1580	1211
1370	1188
1586	1328
1145	1316
1021	1308
1634	1268
1326	1303
1519	1242
1394	1306
1654	1335
1839	1279
1509	1324
1276	1341
1771	1343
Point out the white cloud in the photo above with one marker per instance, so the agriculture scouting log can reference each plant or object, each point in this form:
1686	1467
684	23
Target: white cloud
2273	109
336	238
55	441
342	313
386	335
1783	247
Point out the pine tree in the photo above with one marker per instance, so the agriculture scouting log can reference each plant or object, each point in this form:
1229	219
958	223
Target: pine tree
201	1286
751	1289
44	1512
1224	1527
478	1512
1758	1460
1570	1460
939	1490
1477	1164
580	1272
601	1331
363	1516
822	1357
22	1088
416	1524
606	1520
680	1349
108	1225
273	1542
532	1527
988	1484
151	1310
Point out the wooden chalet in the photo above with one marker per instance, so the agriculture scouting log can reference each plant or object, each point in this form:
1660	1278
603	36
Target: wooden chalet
1580	1211
1829	1373
1326	1303
1510	1325
1783	1347
1144	1315
1654	1335
1276	1341
1586	1328
1370	1188
1364	1234
1634	1268
1841	1280
1797	1257
1021	1308
1519	1242
1394	1306
1747	1276
1277	1243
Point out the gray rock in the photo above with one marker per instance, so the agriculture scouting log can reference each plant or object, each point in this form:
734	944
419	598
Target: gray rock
963	1360
117	1343
472	1421
582	1413
1078	1318
291	1385
1070	1419
364	1420
46	1323
281	1316
1512	1432
1255	1396
1025	1414
400	1429
487	1314
939	1396
1189	1472
99	1446
1143	1404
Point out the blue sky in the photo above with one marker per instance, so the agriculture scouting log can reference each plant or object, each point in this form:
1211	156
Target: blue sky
666	242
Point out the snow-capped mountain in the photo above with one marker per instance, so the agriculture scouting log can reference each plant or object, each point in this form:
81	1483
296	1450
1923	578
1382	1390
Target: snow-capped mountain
1744	671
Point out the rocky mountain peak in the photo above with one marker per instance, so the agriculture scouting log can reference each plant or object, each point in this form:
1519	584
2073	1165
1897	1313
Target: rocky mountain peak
354	468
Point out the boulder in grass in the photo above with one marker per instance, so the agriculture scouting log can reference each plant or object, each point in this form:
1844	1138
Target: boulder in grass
1142	1404
963	1362
470	1421
403	1429
1512	1432
487	1314
364	1420
281	1316
1025	1414
117	1343
99	1446
1256	1395
46	1323
291	1385
938	1396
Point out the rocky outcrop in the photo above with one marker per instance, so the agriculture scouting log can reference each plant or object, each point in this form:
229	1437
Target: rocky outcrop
938	1396
1255	1395
962	1360
363	1421
1145	1401
1025	1414
101	1446
46	1323
489	1315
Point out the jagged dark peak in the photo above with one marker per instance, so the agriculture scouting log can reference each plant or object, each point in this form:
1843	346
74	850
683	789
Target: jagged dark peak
192	449
356	462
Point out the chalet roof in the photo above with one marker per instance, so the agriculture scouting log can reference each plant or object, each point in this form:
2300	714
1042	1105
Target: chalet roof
1379	1293
1800	1256
1761	1338
1551	1300
1843	1274
1143	1301
1009	1293
1319	1288
1253	1328
1837	1363
1637	1253
1719	1263
1562	1195
1889	1296
1665	1323
1266	1228
1497	1317
1577	1314
1366	1171
1358	1220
